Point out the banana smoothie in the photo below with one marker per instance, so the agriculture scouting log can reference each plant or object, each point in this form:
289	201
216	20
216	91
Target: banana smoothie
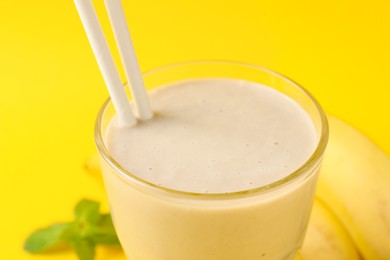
198	168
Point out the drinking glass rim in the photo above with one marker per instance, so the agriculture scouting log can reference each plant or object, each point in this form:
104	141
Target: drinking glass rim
312	161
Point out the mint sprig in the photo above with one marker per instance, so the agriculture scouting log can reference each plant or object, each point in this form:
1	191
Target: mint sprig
88	229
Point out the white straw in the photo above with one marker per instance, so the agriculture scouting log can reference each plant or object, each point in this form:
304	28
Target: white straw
128	57
105	61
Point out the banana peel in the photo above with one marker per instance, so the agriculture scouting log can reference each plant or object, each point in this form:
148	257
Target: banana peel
326	237
92	167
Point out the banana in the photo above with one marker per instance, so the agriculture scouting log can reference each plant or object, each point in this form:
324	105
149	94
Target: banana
355	184
92	167
326	238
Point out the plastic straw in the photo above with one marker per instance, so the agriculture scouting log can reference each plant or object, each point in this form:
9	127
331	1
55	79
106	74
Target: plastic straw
105	61
128	57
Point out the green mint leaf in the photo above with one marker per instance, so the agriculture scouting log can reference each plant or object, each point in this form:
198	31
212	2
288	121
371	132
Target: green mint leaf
72	233
105	239
87	211
105	223
45	238
104	232
84	248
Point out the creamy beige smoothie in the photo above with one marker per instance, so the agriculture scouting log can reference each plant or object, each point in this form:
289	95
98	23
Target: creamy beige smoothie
215	136
212	137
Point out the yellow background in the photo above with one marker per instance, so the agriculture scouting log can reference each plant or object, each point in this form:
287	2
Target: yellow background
51	88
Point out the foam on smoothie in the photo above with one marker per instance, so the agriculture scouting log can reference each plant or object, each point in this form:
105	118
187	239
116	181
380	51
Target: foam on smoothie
215	136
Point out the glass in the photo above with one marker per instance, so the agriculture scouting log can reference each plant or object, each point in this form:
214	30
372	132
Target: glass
266	222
